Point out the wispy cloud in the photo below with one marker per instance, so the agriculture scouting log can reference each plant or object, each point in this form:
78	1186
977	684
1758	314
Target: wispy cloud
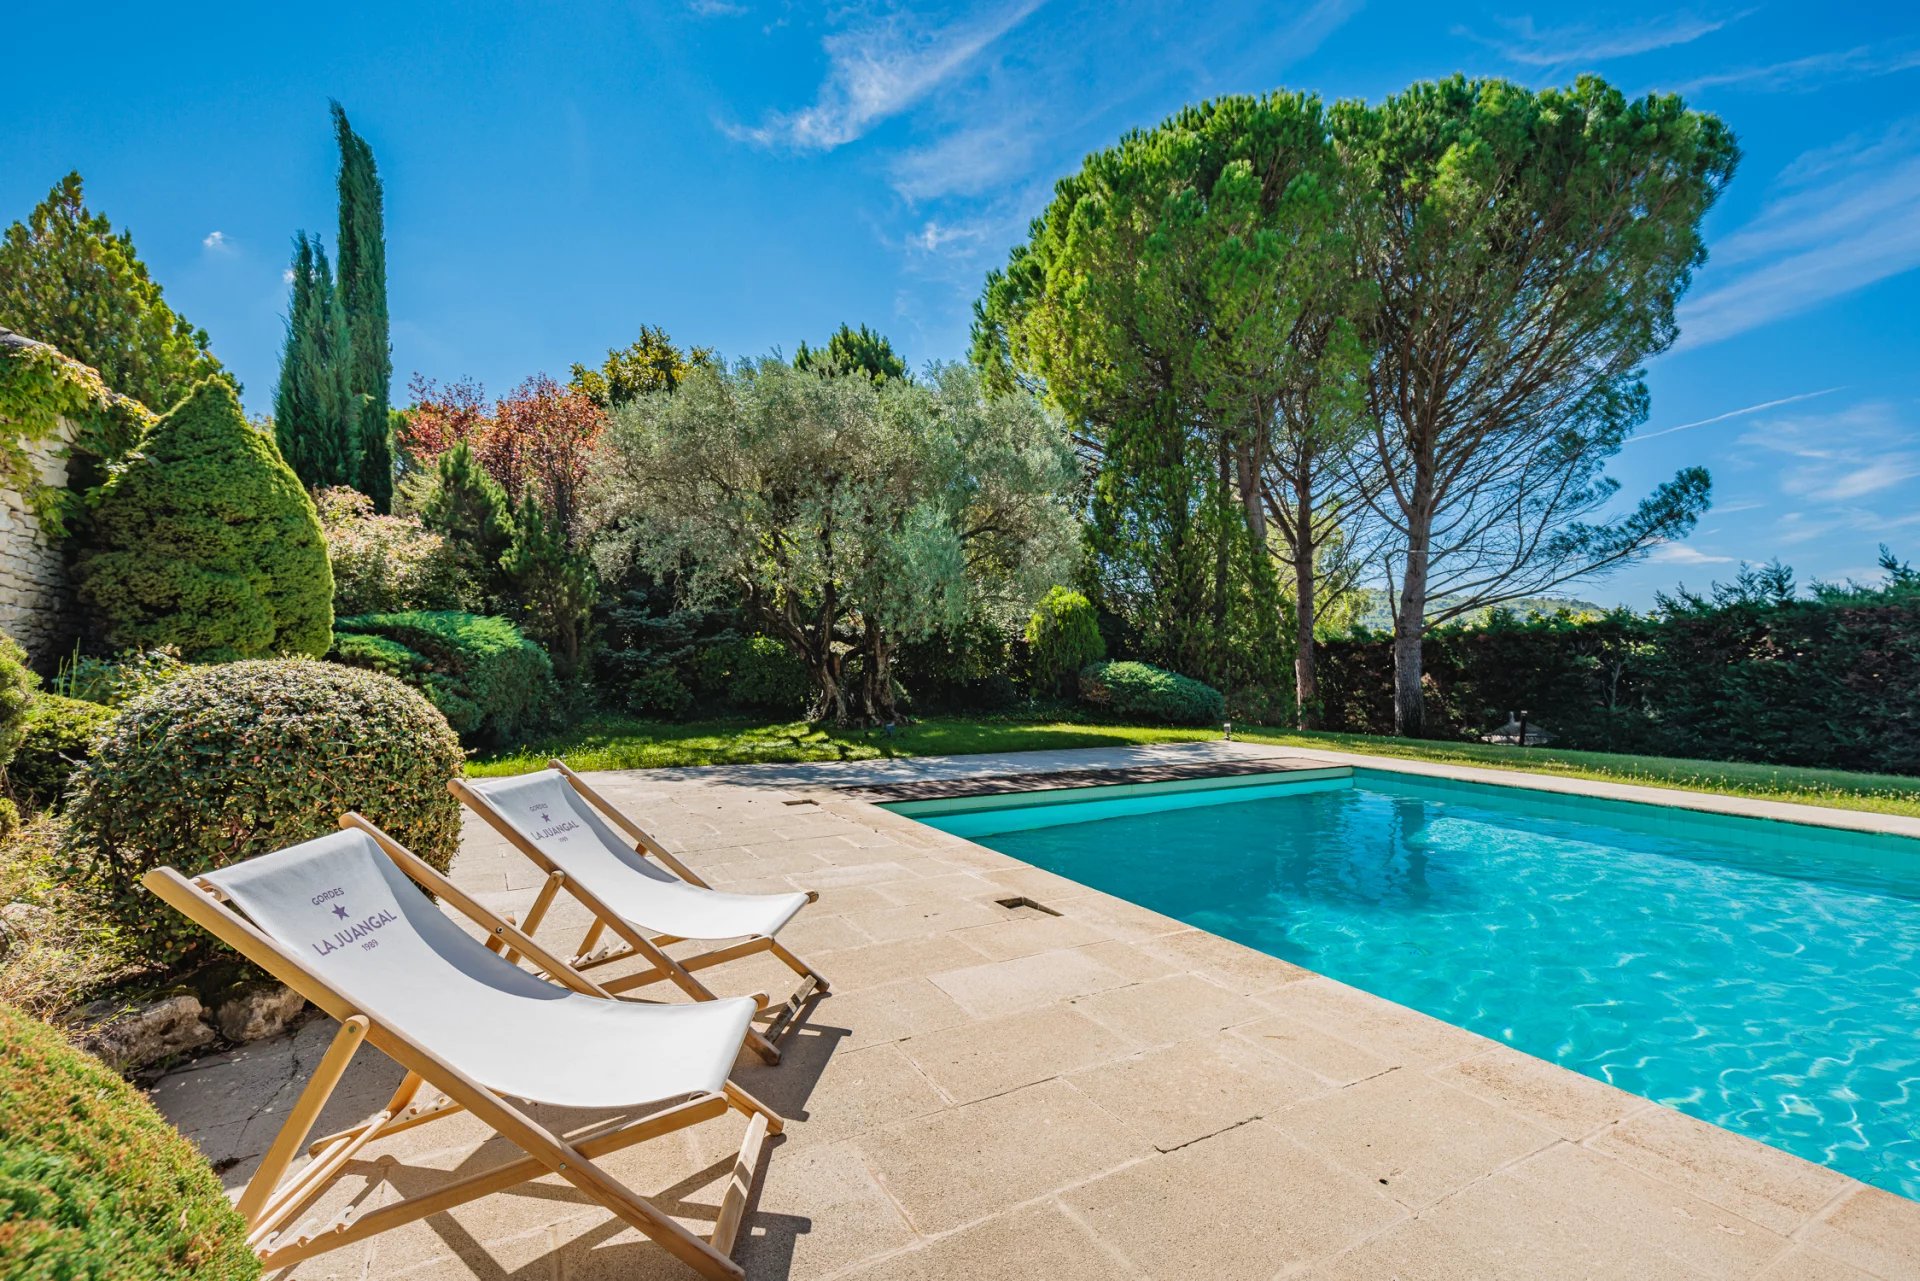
1308	31
879	70
967	161
1525	42
714	8
1681	554
937	236
1842	220
1839	458
217	242
1809	72
1734	413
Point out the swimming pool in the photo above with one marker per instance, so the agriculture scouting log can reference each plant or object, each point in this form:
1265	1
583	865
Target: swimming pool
1764	976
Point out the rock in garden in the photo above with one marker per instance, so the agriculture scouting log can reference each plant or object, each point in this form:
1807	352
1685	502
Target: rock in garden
257	1010
127	1039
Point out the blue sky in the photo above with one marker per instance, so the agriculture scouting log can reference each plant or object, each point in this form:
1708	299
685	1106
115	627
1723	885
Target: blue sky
749	174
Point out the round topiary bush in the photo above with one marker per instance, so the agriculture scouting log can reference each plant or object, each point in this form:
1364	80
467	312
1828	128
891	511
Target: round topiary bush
1151	693
58	740
206	540
1063	636
235	760
93	1181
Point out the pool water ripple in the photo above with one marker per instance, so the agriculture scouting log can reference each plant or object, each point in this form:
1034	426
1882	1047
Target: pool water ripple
1765	977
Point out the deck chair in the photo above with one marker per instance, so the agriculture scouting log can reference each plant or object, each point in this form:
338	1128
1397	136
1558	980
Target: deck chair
636	889
340	920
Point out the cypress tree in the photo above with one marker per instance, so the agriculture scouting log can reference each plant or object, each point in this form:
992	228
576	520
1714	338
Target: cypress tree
313	413
368	356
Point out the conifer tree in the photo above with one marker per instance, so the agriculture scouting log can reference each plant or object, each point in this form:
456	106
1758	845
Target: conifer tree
313	412
206	541
368	355
552	585
468	508
68	279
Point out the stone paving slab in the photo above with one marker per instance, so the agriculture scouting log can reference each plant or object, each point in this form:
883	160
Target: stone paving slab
995	1093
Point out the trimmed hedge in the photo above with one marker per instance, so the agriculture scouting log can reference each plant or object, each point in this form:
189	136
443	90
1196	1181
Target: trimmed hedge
59	739
1827	684
205	540
1144	692
94	1183
231	761
491	683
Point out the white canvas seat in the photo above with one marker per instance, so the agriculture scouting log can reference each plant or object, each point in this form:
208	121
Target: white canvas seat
343	921
546	812
635	888
383	944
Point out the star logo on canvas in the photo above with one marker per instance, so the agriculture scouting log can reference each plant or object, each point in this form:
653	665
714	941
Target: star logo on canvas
340	910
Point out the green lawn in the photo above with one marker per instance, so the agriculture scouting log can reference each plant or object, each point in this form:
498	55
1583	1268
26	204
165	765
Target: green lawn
624	743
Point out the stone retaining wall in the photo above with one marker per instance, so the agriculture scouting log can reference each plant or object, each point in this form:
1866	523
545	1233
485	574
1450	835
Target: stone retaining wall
36	597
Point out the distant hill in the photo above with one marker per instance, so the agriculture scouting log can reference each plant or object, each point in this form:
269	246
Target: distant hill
1377	615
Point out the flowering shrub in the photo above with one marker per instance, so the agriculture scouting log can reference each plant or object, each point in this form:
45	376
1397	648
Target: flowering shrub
239	759
383	563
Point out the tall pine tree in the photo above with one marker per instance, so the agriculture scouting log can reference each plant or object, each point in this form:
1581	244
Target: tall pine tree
362	251
314	418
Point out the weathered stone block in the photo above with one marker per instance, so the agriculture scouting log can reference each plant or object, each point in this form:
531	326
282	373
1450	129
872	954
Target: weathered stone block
126	1039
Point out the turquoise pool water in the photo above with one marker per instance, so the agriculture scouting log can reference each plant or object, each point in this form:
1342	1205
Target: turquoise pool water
1763	976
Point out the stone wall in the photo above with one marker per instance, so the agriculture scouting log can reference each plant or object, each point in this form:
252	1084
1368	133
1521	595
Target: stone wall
36	598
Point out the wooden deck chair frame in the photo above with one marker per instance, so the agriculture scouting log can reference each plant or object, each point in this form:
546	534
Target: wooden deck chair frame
591	954
434	1088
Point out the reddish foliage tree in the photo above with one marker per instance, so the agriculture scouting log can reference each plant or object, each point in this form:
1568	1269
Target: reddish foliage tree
540	438
442	417
544	439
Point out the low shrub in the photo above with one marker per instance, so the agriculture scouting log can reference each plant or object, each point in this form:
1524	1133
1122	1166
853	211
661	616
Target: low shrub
119	679
657	690
56	952
386	563
94	1183
759	672
1146	692
491	683
1063	636
58	740
239	759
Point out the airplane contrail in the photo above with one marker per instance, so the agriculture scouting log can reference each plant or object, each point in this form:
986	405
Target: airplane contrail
1736	413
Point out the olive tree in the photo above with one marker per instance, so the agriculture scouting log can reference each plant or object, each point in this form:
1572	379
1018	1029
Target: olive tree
846	516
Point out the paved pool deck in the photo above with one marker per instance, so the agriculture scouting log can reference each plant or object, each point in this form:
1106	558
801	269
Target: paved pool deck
1001	1094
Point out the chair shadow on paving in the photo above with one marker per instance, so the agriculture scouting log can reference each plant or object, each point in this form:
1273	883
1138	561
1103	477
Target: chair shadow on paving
517	1232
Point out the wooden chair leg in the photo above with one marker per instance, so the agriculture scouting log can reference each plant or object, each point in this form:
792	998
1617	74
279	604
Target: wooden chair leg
306	1110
